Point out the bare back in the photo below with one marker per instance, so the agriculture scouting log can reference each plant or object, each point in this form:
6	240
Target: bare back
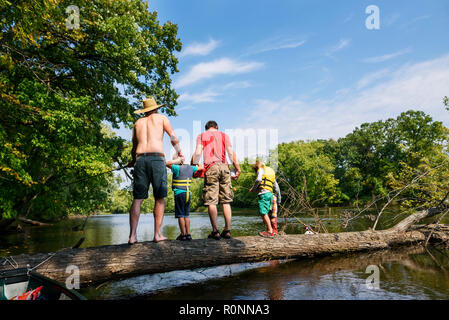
149	133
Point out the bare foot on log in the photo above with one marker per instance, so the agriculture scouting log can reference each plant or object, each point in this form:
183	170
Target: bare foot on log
132	240
159	238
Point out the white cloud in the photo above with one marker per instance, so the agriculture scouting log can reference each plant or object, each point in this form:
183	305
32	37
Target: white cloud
200	49
188	107
237	85
372	77
386	57
340	45
211	93
409	23
224	66
206	96
391	19
420	86
275	44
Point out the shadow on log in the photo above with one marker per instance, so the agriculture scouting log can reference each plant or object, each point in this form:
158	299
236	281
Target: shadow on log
99	264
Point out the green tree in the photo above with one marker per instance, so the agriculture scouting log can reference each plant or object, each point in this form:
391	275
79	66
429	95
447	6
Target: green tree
373	152
306	167
242	197
58	87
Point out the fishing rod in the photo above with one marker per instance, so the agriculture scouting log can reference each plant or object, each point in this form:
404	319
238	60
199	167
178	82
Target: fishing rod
82	179
305	225
96	175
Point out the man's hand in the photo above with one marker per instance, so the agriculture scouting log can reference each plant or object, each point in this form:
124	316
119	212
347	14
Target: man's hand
237	174
178	160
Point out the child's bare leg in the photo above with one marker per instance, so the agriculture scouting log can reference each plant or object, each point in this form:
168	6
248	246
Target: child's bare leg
274	224
267	222
182	225
187	225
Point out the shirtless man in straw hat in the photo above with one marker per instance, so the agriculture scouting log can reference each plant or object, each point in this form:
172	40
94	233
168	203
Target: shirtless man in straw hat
148	161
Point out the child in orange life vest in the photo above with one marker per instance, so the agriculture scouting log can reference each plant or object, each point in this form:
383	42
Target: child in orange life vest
182	177
264	185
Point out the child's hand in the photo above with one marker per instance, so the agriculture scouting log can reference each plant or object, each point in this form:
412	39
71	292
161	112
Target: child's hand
178	160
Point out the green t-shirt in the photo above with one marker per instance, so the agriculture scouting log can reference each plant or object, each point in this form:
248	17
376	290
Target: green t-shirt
175	168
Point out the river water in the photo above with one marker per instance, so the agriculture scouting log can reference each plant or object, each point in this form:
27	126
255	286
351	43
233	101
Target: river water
406	273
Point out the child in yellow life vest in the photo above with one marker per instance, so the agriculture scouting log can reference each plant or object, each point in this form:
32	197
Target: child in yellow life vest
182	177
264	185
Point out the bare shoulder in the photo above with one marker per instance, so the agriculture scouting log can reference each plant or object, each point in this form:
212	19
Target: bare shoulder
138	122
165	120
163	117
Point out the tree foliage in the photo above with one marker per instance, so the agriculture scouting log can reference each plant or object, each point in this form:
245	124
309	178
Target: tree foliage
369	163
59	87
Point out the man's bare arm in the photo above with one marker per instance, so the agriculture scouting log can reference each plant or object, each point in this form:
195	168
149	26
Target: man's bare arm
197	155
170	163
173	138
235	162
133	150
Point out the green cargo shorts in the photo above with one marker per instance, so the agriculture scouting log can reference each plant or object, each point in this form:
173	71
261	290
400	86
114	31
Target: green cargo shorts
264	201
150	169
217	185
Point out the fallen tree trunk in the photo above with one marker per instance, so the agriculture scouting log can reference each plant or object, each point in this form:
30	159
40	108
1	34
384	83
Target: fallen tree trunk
33	222
99	264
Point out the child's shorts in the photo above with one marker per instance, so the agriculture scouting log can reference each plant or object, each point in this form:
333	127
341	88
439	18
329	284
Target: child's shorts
182	209
264	201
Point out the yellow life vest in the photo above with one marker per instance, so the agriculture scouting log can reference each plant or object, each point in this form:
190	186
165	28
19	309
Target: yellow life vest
183	180
183	185
267	179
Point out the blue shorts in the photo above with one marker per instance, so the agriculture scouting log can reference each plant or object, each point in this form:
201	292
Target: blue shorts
182	208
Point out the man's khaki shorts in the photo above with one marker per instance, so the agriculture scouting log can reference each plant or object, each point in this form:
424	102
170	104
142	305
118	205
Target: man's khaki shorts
217	185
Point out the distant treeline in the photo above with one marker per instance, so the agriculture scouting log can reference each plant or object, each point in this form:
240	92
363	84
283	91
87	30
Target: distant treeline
375	161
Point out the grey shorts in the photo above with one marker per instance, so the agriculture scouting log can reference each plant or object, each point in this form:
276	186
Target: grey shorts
150	169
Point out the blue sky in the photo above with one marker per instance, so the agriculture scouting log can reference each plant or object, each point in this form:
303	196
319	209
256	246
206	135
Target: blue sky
308	69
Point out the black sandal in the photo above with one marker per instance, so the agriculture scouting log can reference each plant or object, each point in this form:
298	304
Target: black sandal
188	237
181	237
214	235
226	234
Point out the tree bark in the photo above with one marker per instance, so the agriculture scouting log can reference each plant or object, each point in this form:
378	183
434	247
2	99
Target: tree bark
99	264
32	222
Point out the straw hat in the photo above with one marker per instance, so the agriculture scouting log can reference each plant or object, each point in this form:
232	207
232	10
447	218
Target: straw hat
259	164
149	104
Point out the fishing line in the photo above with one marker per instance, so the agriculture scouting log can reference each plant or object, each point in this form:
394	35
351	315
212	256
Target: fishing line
96	175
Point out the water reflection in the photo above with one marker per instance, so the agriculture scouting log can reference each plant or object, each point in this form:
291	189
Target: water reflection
408	273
